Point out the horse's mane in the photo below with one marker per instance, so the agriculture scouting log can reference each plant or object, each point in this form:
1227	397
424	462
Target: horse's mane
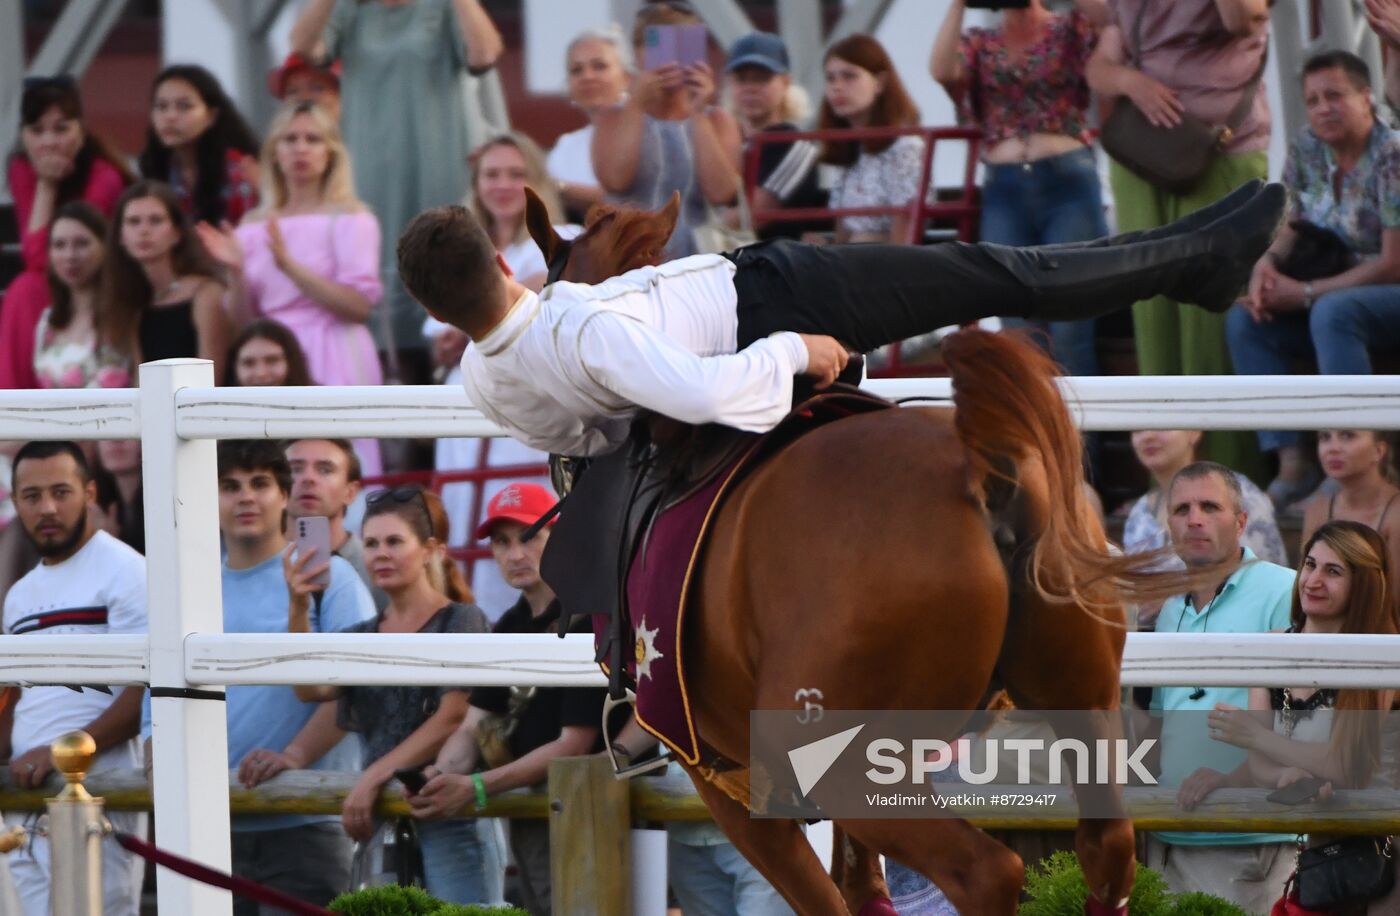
616	239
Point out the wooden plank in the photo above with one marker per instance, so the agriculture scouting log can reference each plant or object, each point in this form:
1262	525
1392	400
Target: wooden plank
590	838
672	798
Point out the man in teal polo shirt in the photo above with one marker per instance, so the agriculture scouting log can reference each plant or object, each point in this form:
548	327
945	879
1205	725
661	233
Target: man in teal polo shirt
1207	519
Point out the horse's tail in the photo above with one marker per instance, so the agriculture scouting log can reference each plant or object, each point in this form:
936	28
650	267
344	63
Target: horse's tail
1018	432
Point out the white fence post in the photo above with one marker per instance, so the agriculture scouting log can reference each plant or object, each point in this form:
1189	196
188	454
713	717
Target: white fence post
190	744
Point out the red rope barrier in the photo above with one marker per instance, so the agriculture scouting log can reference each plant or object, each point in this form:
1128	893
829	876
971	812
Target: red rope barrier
206	875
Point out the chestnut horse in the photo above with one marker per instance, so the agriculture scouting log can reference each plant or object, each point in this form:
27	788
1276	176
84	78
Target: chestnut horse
957	551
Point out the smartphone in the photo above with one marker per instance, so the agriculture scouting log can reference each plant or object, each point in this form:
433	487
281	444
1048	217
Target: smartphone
1304	790
313	532
412	779
684	45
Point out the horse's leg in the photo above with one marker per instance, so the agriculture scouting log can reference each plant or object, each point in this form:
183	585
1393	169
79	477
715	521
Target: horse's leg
778	849
1039	642
856	870
978	875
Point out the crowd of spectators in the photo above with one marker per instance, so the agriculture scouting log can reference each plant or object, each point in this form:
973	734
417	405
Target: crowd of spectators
274	259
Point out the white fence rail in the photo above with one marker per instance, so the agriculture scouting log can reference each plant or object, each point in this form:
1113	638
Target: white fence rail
177	414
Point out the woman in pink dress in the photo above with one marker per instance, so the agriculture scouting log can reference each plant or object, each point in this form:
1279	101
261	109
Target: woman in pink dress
309	256
59	161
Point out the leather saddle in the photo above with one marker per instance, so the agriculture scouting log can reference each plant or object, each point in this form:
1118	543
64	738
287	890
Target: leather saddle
614	498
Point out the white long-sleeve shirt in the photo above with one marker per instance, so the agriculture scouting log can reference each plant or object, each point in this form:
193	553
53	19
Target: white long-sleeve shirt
566	371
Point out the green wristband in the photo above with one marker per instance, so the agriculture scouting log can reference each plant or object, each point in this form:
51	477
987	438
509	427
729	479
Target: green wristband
480	784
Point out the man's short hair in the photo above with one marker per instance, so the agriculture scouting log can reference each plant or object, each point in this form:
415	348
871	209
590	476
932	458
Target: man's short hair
1358	73
354	472
448	263
1200	469
249	455
39	450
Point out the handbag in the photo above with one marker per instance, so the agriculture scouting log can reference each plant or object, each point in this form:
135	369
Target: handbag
1288	904
1317	252
1353	869
715	236
1172	158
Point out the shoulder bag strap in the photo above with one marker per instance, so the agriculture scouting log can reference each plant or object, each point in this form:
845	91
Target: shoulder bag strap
1246	102
1135	48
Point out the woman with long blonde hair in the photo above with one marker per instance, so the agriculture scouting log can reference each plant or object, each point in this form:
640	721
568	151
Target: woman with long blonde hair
501	169
308	256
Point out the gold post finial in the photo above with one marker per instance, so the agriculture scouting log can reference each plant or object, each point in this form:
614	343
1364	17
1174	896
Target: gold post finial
72	755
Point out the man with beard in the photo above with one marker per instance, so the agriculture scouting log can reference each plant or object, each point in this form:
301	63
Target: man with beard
87	582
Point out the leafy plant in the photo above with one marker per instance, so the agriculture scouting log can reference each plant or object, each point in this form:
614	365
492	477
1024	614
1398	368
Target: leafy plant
1057	888
396	900
1197	904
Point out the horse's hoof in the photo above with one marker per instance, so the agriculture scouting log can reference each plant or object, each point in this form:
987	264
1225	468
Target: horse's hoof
878	906
1092	907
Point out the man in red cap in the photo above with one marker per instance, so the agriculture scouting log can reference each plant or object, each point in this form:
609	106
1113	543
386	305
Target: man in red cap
542	723
301	79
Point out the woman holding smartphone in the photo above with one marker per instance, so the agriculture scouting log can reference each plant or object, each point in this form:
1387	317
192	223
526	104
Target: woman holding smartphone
666	137
404	534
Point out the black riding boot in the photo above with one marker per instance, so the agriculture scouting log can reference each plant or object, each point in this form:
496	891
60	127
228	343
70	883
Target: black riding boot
871	295
1196	219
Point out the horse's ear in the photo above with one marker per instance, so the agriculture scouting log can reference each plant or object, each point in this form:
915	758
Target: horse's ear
670	213
540	226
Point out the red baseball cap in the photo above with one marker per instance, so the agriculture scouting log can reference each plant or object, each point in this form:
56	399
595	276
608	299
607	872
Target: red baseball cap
277	79
519	502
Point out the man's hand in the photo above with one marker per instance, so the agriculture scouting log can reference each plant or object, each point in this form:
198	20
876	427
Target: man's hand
262	764
1155	100
445	794
1197	786
29	770
826	357
300	584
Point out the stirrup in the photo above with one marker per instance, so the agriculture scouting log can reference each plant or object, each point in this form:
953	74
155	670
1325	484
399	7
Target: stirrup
628	770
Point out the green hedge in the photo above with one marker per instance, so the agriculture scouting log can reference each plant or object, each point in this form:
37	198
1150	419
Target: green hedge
1057	888
394	900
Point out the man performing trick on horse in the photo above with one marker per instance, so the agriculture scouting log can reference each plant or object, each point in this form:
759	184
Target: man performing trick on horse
719	338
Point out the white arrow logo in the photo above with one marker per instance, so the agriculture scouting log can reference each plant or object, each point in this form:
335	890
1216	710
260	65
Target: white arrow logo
811	761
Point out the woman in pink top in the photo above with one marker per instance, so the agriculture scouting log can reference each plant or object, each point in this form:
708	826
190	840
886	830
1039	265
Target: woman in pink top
58	161
309	256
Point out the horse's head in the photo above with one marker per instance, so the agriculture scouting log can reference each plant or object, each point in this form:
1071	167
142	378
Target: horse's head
615	239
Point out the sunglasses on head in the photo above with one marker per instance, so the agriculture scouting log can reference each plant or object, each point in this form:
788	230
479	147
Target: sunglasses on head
401	495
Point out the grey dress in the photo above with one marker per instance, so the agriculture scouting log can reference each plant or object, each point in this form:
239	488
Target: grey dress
666	165
405	121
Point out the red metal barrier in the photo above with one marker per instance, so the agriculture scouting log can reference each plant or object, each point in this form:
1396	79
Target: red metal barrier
964	209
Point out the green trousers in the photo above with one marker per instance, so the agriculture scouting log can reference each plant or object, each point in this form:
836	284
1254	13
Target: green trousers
1173	339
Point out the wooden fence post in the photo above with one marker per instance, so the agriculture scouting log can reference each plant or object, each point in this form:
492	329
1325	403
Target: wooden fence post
590	838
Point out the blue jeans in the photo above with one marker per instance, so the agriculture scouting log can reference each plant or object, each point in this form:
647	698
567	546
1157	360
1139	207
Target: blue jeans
1337	332
1046	202
715	880
464	860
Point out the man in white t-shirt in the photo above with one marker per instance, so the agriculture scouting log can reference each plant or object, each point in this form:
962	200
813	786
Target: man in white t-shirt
87	582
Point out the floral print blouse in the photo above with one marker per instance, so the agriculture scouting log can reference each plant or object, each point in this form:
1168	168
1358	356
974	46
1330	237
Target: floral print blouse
1370	192
1044	92
240	194
64	360
887	179
1145	530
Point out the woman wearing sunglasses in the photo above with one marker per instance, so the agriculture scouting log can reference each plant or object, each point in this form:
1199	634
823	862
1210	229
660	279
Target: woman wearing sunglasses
404	534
